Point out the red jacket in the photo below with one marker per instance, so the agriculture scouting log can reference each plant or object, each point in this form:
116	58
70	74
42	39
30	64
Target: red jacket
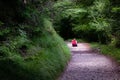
74	41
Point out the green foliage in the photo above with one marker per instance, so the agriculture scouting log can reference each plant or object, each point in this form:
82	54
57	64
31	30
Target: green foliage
76	12
64	4
59	8
4	31
70	14
84	2
36	59
89	22
99	20
115	21
30	49
116	9
4	51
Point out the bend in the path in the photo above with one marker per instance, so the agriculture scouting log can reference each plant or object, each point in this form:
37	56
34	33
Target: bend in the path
87	65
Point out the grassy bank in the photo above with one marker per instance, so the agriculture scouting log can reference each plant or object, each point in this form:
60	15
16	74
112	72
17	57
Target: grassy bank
108	50
42	58
30	49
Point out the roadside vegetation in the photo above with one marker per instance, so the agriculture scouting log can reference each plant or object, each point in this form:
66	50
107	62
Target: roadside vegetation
30	48
30	44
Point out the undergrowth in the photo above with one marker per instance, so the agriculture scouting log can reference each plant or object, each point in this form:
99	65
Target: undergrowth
41	58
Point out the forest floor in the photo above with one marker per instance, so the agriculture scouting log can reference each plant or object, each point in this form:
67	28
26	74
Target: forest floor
86	64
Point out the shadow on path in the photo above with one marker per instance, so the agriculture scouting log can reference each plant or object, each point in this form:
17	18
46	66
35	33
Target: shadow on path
88	65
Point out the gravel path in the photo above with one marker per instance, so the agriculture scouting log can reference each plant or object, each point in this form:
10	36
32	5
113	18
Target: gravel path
88	65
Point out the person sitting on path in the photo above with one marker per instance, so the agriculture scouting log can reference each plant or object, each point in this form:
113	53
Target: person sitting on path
74	42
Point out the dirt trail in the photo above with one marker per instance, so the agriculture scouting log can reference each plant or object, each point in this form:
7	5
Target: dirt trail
88	65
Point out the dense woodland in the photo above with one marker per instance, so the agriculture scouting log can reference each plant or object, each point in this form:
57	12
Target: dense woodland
93	20
30	47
